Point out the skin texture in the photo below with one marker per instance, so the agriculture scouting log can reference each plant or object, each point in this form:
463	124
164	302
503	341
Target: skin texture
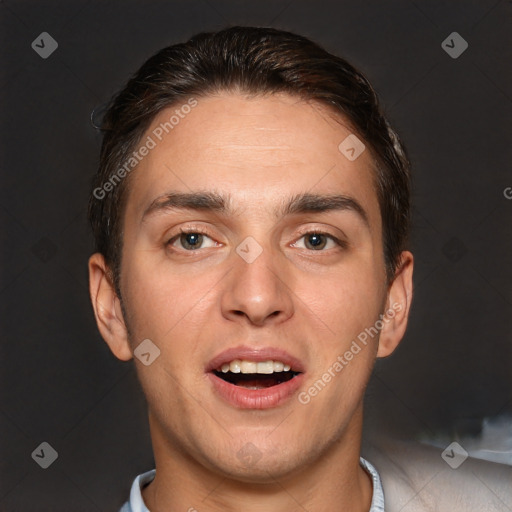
310	302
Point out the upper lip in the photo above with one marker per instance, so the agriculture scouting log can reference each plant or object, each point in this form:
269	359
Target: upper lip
257	354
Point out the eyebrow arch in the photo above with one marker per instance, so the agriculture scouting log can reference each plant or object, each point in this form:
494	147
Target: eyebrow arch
319	203
205	201
300	203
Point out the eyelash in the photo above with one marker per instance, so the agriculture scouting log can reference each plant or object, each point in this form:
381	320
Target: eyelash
340	243
199	231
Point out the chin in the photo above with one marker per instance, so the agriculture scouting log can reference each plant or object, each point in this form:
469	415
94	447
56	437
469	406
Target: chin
265	471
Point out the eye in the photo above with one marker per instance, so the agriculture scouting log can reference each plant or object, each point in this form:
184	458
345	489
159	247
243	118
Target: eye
316	241
191	240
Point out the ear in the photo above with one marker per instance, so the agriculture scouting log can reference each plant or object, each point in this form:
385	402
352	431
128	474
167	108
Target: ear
107	308
398	305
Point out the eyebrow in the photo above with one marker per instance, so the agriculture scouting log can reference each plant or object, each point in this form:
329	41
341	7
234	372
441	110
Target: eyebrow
297	204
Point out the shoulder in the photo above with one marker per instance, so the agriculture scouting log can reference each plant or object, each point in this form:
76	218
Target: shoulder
415	478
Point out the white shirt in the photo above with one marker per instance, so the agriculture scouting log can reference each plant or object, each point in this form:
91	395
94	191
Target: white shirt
136	503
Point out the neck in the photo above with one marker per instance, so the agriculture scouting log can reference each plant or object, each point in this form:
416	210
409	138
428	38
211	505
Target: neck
334	481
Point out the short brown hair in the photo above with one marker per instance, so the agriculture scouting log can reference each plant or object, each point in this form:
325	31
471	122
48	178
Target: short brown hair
253	61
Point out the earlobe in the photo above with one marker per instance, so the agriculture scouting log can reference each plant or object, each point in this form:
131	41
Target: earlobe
107	310
397	307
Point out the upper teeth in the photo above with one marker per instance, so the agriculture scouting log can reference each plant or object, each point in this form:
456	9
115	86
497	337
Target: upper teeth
238	366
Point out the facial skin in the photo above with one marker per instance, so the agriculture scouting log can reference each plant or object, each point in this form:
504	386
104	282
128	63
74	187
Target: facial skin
312	303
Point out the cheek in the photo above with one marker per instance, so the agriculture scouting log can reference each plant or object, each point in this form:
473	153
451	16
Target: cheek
165	305
152	299
347	301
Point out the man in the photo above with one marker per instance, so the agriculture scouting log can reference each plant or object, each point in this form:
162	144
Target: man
251	212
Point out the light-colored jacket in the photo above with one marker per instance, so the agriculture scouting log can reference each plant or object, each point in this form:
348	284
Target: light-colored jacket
416	478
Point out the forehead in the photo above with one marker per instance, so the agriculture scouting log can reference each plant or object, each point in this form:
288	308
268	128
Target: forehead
254	149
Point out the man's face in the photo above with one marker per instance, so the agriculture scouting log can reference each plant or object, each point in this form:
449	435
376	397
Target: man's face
258	282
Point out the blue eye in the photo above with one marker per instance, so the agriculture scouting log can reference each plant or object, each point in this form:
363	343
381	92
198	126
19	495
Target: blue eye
312	241
316	241
191	240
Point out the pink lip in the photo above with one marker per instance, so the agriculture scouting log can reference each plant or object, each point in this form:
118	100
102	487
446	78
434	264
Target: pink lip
265	398
255	354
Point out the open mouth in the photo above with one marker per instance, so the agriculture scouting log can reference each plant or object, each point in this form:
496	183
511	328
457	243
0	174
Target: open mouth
256	380
255	375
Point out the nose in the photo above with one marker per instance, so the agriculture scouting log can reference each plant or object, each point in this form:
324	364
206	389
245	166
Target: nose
256	291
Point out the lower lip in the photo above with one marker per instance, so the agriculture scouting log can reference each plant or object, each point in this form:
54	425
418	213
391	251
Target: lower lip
264	398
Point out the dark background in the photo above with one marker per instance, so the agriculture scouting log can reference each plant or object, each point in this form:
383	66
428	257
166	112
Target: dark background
60	383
